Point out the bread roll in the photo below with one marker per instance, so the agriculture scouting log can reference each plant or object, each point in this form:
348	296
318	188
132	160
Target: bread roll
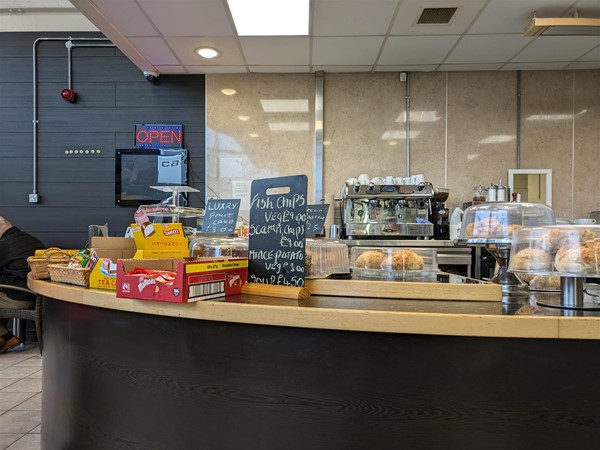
405	259
370	259
579	258
533	259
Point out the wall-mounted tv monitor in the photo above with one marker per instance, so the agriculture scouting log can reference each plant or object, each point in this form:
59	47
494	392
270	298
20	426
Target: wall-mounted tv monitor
138	169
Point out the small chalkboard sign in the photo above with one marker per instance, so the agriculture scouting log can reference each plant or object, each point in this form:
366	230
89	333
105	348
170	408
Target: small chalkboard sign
220	215
277	231
315	218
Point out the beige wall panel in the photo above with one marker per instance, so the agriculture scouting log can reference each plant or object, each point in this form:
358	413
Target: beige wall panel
587	142
266	129
363	127
481	131
428	119
546	131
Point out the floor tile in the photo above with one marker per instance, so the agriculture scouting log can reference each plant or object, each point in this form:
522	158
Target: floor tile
18	372
8	438
7	382
37	429
19	421
25	385
28	442
8	400
32	403
37	374
30	362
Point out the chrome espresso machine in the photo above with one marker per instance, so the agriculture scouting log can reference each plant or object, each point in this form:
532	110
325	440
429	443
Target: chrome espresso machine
381	210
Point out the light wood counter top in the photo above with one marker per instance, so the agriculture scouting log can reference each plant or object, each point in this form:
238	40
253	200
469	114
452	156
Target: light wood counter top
450	318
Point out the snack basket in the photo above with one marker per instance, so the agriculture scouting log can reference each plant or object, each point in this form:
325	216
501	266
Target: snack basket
39	263
71	275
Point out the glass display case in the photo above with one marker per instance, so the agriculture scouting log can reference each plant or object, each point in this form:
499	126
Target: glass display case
395	264
493	224
326	257
214	246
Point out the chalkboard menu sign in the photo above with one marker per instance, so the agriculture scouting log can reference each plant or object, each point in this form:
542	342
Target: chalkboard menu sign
220	215
277	231
315	218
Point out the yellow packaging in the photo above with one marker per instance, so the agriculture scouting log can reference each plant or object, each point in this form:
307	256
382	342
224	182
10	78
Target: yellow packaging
104	275
109	250
159	240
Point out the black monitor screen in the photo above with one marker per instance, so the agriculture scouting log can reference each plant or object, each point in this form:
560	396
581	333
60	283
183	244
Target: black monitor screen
137	170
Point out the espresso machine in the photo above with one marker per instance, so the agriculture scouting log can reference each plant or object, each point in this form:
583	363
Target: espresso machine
380	210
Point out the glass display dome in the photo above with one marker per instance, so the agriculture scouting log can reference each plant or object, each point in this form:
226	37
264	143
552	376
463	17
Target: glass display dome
325	257
495	222
399	264
215	246
560	250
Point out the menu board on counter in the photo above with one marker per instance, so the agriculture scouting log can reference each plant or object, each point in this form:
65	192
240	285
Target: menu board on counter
220	215
278	231
315	218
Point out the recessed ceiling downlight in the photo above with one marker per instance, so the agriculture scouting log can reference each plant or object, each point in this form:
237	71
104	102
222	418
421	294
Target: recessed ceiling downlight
208	52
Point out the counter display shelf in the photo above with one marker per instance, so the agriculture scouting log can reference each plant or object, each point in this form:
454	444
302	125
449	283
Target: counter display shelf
324	372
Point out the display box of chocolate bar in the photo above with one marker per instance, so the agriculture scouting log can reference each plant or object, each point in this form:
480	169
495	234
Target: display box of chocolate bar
179	281
394	264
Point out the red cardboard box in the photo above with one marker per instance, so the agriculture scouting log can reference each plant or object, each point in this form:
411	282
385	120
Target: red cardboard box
194	280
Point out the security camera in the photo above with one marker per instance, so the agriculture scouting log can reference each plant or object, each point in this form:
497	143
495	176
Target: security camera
150	75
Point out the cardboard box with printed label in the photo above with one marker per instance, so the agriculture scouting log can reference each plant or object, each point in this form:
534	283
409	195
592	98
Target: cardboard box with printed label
194	280
108	251
159	240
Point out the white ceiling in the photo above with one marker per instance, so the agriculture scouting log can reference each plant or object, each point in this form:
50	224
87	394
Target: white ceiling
346	35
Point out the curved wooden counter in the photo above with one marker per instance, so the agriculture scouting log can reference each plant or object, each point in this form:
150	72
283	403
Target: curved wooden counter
351	314
327	373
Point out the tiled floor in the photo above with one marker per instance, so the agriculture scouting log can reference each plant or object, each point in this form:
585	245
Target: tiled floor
20	398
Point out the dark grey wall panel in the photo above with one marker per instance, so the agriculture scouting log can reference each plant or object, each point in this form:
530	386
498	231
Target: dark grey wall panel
118	119
77	190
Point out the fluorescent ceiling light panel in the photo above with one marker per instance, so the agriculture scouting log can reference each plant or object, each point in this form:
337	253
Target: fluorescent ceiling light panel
284	105
562	26
270	17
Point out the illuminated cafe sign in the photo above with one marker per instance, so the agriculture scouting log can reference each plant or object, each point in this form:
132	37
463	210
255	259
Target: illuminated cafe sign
157	135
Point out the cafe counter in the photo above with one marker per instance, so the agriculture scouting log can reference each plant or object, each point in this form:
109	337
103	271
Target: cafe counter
324	372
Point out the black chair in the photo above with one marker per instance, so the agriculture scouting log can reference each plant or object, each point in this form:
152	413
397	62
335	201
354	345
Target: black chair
34	313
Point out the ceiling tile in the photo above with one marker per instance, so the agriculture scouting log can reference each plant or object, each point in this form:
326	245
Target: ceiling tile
467	67
409	12
352	17
127	17
487	48
592	55
345	51
155	50
511	16
279	69
171	69
280	51
184	48
407	68
189	17
535	66
419	50
557	48
578	65
334	69
216	69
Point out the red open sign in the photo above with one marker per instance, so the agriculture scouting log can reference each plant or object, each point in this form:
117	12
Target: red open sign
158	135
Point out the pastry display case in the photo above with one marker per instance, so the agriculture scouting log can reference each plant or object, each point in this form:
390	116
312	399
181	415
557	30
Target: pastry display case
571	252
326	257
394	264
493	225
214	246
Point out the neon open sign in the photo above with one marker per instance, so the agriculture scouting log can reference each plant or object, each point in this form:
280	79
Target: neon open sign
153	135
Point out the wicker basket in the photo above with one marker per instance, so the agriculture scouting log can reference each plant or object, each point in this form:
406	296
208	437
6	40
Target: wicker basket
71	275
39	264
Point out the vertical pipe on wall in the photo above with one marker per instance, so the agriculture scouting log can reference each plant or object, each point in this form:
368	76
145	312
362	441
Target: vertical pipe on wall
34	82
573	150
319	137
407	126
518	137
446	134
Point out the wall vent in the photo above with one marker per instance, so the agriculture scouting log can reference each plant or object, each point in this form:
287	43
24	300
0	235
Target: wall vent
437	16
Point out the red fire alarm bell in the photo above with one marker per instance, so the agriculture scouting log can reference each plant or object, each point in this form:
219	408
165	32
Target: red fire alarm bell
68	95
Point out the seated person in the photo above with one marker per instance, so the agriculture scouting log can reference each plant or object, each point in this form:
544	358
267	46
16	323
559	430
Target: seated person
15	247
